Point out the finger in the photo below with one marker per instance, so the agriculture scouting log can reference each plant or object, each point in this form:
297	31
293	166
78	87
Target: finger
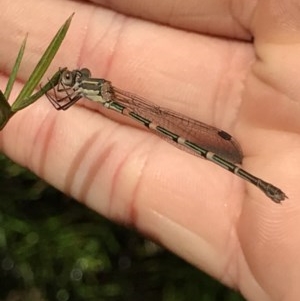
139	57
270	238
132	177
223	18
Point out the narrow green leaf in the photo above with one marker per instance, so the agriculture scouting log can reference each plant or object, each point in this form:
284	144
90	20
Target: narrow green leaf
15	70
41	68
51	83
5	111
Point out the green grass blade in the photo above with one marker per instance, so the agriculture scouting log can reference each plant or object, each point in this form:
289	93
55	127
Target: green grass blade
15	70
41	68
5	111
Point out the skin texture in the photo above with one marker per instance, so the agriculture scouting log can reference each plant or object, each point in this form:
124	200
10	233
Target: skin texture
231	64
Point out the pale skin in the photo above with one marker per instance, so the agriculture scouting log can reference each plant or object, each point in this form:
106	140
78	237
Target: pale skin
214	73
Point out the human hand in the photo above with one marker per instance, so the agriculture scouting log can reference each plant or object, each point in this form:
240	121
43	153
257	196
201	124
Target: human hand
206	215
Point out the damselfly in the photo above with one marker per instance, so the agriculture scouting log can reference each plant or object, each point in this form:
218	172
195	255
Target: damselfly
187	134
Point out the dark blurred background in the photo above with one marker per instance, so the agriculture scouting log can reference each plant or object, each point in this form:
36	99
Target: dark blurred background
53	248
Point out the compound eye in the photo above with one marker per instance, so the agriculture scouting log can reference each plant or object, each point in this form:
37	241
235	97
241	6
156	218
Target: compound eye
85	73
67	78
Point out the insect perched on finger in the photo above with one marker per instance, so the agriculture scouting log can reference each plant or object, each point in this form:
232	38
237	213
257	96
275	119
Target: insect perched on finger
185	133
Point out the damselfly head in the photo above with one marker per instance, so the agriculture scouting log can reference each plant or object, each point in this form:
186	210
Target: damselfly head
71	78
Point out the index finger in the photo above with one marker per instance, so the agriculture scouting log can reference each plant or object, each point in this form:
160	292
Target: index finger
222	18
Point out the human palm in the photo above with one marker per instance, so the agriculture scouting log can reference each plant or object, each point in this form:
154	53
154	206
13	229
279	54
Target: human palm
215	73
